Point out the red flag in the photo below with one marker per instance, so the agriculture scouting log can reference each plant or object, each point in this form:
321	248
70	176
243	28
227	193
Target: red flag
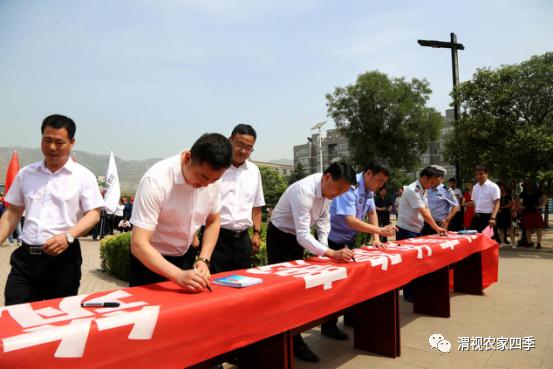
13	168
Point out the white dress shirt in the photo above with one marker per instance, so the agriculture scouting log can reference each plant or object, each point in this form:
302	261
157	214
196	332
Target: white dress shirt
54	202
241	190
174	210
301	206
484	196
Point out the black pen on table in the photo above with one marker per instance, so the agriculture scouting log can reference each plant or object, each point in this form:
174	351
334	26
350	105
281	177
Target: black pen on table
352	257
99	304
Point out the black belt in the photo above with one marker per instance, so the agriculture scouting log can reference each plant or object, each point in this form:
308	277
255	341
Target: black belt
235	234
37	249
33	249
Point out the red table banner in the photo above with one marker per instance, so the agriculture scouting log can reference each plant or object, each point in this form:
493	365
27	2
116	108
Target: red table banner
162	326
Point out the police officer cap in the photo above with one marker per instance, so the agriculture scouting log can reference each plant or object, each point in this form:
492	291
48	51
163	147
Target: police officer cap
440	169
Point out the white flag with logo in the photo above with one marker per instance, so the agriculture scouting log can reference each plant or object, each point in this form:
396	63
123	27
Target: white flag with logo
112	190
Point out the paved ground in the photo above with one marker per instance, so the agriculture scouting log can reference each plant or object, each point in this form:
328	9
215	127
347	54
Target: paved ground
520	305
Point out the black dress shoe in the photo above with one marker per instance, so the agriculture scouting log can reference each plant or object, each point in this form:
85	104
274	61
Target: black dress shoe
335	333
303	352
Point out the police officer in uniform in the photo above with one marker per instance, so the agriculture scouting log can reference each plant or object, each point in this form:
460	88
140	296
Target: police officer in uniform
414	212
442	202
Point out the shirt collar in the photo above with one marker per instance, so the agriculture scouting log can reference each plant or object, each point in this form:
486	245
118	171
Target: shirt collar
417	183
69	166
318	185
244	166
177	171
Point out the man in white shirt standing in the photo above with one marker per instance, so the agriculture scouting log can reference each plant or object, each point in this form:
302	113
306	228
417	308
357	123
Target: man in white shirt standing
485	195
304	204
174	199
62	201
242	200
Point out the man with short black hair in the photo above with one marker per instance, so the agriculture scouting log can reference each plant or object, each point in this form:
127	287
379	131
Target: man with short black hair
304	204
347	218
486	196
442	203
61	201
174	199
241	203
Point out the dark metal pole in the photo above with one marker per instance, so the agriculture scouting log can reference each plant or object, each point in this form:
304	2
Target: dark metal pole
456	110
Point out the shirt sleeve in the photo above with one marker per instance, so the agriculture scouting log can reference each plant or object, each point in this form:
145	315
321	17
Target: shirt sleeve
90	196
301	205
414	200
496	193
345	203
15	193
323	225
450	197
148	203
259	198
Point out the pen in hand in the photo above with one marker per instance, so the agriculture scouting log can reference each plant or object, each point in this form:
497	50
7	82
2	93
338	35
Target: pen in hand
352	257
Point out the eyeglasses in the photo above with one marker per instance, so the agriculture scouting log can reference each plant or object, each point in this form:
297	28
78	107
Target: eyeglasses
242	147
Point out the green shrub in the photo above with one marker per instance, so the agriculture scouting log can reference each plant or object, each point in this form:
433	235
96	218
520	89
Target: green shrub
114	255
260	259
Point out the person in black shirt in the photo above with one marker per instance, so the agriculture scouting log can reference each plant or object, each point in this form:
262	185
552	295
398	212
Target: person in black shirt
532	202
383	208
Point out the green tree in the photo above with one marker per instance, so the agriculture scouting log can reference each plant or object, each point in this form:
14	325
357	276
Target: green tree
385	118
507	120
297	174
274	184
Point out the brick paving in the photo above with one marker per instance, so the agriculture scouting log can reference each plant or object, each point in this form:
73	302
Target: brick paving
520	305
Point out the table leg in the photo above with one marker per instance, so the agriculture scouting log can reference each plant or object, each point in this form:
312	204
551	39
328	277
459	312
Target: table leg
376	326
467	275
431	294
271	353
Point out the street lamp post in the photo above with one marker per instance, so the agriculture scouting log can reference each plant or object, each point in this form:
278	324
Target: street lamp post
320	141
454	46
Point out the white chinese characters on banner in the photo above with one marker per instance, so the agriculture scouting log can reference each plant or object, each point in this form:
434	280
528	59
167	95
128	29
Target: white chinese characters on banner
38	328
313	274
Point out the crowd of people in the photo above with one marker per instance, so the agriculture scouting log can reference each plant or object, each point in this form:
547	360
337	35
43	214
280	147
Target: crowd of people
193	212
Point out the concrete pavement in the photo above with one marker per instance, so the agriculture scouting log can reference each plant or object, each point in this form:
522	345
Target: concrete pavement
520	305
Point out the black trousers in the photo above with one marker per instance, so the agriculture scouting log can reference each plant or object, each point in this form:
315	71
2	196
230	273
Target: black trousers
140	275
233	251
282	246
43	277
480	221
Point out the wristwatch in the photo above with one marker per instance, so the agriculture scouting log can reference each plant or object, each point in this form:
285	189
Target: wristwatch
204	260
257	231
70	238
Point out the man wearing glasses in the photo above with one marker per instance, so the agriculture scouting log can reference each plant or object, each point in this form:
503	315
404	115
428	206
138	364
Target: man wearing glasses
242	200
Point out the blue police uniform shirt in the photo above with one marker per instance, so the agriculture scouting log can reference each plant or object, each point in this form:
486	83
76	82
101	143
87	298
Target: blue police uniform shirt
440	201
357	202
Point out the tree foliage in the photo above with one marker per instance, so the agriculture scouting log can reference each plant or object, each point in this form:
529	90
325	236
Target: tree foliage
274	184
507	120
297	174
385	118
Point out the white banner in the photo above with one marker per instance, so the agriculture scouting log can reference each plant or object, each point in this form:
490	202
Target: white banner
112	189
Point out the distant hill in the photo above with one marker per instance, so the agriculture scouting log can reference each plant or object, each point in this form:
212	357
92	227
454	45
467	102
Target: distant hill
282	161
130	171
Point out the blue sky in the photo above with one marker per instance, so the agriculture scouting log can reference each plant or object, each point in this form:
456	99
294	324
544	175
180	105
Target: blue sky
146	78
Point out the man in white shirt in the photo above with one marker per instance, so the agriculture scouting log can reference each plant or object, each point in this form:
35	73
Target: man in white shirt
485	195
305	204
62	201
174	199
242	200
